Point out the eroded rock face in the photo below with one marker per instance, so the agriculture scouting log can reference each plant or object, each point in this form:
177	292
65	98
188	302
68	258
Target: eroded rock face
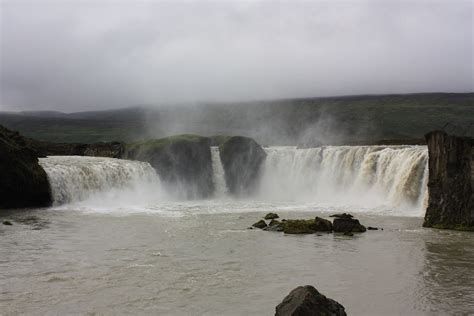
242	159
23	183
450	185
307	301
183	162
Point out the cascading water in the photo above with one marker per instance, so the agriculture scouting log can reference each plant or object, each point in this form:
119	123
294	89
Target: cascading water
365	176
75	179
218	175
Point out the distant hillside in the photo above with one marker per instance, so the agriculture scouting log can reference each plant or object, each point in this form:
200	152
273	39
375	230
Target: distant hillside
331	120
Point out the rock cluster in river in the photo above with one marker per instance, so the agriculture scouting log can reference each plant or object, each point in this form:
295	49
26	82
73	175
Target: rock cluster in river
307	301
342	223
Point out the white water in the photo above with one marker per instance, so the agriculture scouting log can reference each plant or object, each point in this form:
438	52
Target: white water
383	177
374	179
100	181
218	176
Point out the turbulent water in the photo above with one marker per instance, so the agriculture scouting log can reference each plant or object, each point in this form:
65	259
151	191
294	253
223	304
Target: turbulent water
361	176
74	178
390	180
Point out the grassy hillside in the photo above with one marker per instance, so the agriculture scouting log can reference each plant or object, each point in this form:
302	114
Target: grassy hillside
334	120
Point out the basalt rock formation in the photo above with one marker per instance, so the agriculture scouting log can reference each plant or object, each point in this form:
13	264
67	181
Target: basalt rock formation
307	301
451	182
242	159
183	162
23	183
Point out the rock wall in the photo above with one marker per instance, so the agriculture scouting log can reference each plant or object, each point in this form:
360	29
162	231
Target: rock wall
111	150
183	162
23	183
242	159
451	184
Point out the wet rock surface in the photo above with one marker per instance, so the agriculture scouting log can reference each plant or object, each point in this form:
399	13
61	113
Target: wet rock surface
242	158
451	182
343	223
307	301
23	182
271	216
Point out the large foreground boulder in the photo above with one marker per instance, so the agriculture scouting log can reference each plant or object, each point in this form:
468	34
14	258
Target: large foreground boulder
451	182
23	183
183	162
242	159
307	301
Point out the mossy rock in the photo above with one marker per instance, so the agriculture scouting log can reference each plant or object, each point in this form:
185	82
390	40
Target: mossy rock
299	226
260	224
242	158
23	182
183	162
271	216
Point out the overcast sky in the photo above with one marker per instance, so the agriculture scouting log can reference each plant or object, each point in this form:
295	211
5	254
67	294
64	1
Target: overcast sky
72	55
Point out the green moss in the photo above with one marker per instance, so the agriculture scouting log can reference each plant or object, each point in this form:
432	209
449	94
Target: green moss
299	226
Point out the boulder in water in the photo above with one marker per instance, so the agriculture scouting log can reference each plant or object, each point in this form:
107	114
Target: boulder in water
241	159
8	223
274	226
322	225
260	224
271	216
23	183
347	225
183	161
307	301
299	226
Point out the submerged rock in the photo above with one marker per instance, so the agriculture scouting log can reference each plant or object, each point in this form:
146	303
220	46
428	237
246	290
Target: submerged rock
260	224
343	225
8	223
307	301
271	216
241	159
23	182
182	161
372	228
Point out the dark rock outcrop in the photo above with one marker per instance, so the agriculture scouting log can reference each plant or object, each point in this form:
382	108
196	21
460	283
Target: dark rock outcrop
451	182
307	301
322	225
23	183
347	225
242	159
183	162
260	224
271	216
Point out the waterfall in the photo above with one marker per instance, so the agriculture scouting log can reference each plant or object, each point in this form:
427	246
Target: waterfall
74	178
220	187
366	176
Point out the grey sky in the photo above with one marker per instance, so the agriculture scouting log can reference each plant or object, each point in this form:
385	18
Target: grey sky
81	55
